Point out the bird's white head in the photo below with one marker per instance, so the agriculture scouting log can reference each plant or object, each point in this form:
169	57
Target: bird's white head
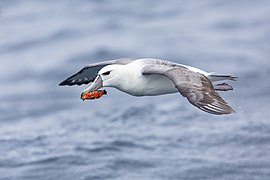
108	76
111	75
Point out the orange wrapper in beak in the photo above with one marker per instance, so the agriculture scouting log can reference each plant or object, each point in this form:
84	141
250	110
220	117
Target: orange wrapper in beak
93	95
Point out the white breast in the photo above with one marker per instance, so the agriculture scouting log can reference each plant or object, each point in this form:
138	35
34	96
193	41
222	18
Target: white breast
152	85
137	84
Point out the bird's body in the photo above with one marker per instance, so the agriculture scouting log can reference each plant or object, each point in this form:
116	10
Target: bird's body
138	84
151	77
152	85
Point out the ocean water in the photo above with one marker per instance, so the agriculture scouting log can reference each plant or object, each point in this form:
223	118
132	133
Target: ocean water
47	132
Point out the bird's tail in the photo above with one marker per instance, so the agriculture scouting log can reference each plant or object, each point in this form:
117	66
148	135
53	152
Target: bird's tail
219	77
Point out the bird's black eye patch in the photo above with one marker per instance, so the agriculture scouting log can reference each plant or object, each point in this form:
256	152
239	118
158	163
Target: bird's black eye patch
106	73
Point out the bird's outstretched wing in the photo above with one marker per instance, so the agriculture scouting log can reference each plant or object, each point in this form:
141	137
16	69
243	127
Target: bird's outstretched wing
88	73
196	87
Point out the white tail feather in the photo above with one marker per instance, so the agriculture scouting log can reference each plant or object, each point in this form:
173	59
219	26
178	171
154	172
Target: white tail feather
219	77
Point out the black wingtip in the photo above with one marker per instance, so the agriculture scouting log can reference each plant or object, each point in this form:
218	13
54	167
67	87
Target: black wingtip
63	83
70	82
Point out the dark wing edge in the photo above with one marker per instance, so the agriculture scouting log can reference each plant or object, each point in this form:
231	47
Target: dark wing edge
88	73
84	76
196	87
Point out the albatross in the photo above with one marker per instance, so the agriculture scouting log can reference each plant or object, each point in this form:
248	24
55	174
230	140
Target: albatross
152	77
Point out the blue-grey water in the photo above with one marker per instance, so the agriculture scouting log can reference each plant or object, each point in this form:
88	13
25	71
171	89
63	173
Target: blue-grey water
47	132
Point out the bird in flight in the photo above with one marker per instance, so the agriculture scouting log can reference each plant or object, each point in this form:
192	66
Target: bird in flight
152	77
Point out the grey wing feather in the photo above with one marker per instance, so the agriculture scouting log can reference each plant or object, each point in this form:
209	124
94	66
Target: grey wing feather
88	73
196	87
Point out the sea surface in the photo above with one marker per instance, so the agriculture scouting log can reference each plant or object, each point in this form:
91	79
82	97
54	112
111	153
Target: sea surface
47	132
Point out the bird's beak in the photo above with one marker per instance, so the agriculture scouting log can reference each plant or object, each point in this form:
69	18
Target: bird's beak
98	83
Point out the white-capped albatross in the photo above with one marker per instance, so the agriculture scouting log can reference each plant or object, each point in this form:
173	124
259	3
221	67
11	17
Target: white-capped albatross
151	77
